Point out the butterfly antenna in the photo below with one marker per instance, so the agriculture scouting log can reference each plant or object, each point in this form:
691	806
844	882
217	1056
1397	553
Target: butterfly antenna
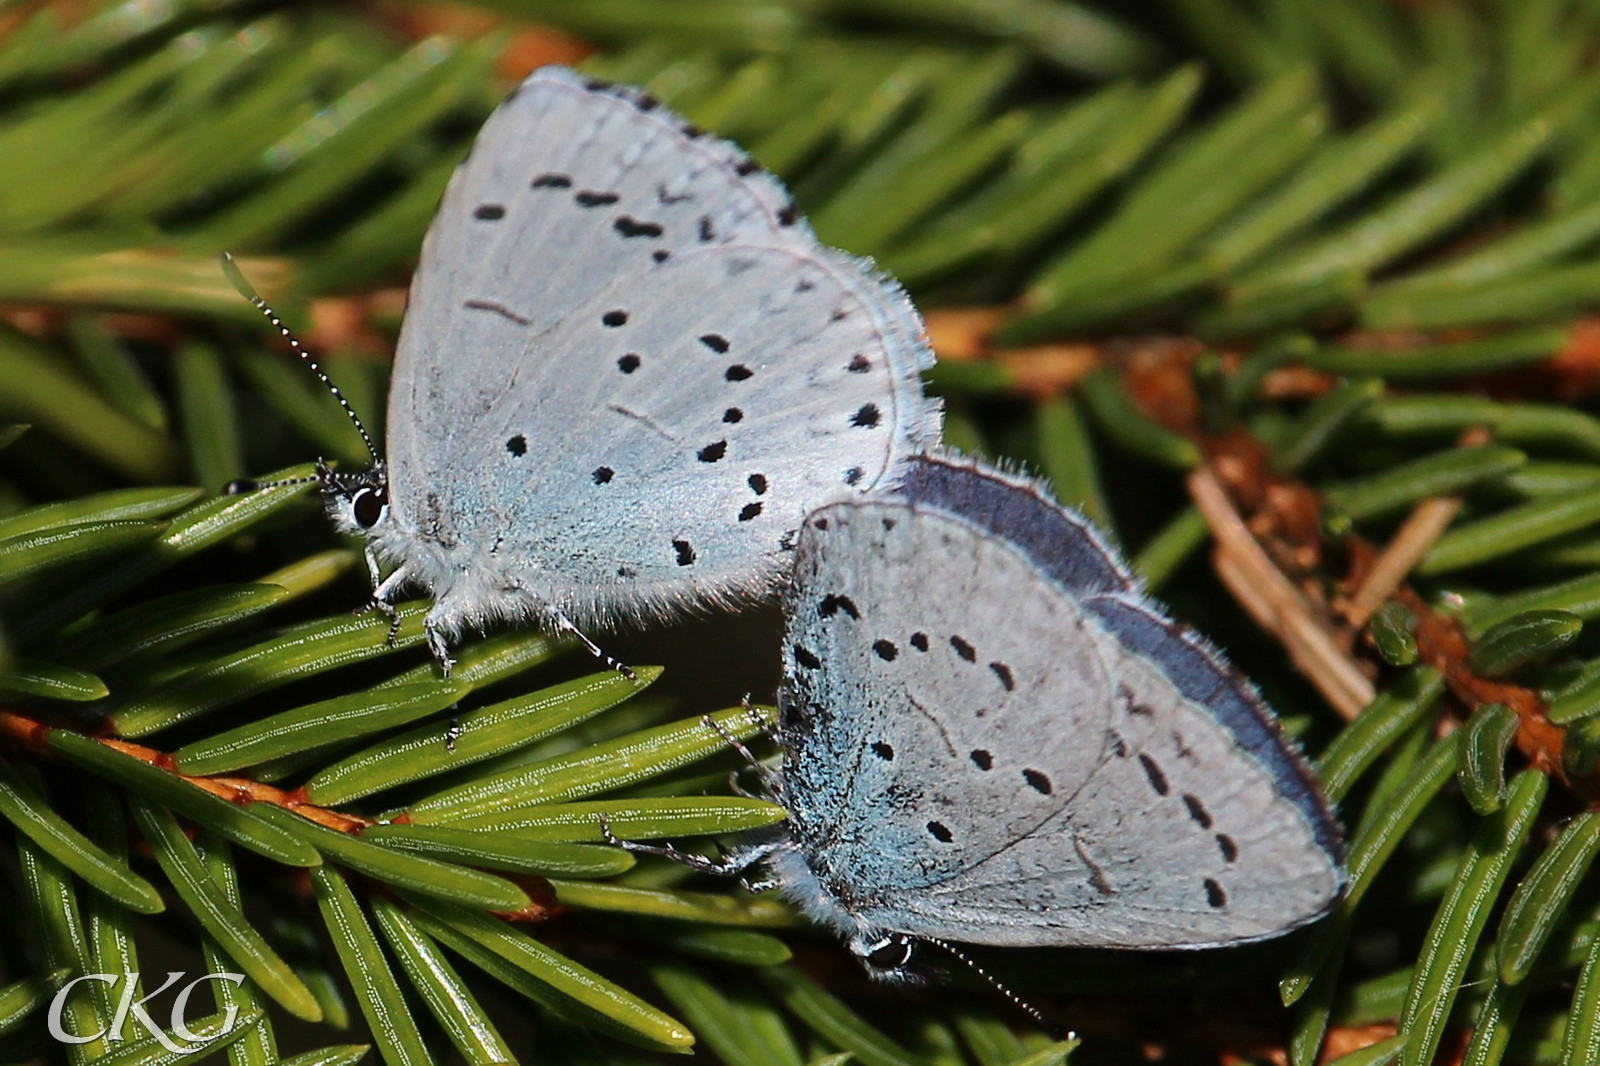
236	276
1053	1027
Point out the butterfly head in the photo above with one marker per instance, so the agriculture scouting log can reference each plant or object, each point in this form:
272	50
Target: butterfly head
357	503
900	959
887	956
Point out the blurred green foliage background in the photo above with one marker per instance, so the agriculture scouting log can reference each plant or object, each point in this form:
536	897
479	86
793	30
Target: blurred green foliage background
1340	259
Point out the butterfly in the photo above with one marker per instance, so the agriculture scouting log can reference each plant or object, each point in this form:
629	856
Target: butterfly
990	735
627	371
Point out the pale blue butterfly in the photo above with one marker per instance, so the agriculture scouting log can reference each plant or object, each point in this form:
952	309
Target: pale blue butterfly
627	371
990	735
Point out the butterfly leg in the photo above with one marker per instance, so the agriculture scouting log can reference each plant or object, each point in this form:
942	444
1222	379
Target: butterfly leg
564	624
382	589
725	868
732	741
756	716
769	779
438	645
755	888
374	574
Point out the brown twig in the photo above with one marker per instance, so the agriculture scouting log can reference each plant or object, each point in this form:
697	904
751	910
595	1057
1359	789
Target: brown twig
1275	557
33	734
240	790
1410	543
1275	604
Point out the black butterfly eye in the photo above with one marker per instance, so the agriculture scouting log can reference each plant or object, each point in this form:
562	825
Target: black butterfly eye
891	953
367	506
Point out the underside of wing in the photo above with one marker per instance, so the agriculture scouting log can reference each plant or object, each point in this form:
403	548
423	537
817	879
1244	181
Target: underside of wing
973	751
564	162
730	392
620	328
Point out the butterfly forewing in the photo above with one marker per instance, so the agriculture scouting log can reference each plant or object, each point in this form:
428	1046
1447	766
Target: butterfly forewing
628	369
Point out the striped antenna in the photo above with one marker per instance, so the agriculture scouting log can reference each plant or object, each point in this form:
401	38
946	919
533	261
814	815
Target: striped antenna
236	276
239	486
1056	1030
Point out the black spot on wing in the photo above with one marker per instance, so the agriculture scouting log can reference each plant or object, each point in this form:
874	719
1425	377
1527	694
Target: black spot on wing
757	483
1197	810
982	759
883	750
858	364
1152	770
590	198
831	605
1215	896
711	453
1097	874
919	641
489	212
749	511
500	309
732	414
1003	672
1226	845
738	372
885	650
613	319
805	658
685	552
517	445
602	474
628	226
551	181
715	341
940	832
628	363
963	649
1204	678
866	417
1038	782
1131	704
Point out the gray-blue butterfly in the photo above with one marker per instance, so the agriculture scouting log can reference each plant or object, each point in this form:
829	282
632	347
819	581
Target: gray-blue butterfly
627	371
990	735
